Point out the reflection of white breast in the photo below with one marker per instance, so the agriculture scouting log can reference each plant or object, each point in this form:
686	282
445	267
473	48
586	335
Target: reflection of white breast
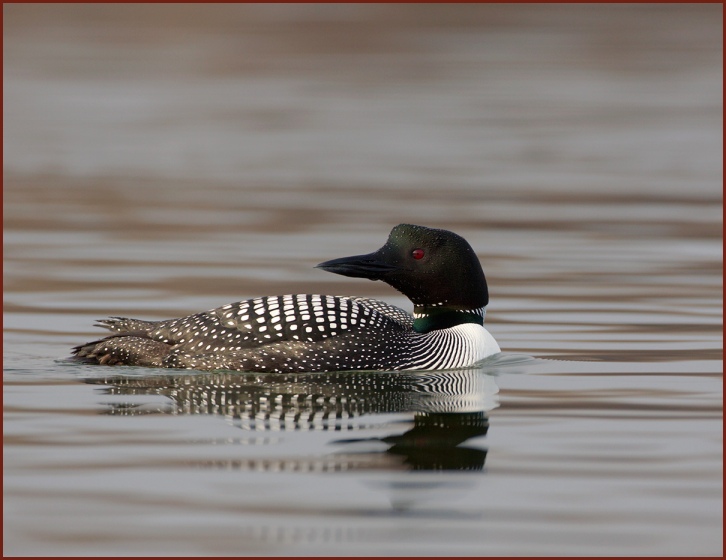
459	391
456	347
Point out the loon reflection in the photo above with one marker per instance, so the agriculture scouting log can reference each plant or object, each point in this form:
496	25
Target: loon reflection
449	408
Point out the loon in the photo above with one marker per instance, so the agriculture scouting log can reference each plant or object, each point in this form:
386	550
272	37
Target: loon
436	269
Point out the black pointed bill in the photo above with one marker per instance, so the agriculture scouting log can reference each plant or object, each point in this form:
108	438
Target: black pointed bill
360	266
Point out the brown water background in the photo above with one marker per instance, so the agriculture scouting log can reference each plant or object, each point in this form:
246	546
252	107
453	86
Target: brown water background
165	159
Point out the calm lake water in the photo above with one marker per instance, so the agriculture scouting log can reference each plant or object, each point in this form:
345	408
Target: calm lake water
162	160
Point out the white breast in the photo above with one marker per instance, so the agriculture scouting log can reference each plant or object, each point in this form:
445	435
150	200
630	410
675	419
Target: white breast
456	347
477	343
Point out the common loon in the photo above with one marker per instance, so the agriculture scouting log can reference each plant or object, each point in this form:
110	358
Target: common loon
436	269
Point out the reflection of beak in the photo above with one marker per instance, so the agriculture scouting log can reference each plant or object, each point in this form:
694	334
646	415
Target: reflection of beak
359	266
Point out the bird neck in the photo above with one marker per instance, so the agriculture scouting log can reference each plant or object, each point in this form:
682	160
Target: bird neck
431	318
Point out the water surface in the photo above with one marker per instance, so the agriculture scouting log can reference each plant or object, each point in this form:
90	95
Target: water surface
161	161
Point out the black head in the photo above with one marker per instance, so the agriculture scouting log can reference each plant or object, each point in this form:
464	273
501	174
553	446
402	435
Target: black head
432	267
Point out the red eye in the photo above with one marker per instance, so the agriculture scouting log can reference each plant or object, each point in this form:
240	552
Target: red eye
417	254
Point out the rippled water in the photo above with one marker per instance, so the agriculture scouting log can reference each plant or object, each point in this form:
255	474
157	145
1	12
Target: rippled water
160	161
